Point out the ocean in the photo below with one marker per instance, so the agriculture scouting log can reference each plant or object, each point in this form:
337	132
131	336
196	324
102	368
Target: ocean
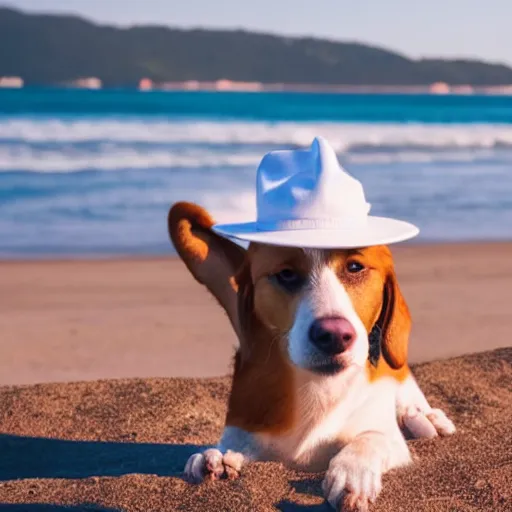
93	173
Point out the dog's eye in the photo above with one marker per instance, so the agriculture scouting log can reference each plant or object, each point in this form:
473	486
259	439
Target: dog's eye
288	279
354	267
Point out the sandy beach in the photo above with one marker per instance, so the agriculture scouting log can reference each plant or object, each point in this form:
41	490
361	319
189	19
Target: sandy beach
121	444
88	320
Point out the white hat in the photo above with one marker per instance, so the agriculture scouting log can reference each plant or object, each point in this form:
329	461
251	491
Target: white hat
305	199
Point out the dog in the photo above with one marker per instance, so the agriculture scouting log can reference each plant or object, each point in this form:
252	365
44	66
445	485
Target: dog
321	381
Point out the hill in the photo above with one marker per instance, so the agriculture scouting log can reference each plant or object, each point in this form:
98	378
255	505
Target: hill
51	49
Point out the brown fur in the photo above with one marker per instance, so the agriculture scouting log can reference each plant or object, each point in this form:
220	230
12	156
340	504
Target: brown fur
212	260
275	307
262	395
377	299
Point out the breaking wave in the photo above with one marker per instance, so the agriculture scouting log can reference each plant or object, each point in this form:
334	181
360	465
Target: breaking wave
70	145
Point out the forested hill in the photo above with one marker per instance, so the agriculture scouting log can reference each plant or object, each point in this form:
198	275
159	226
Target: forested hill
51	49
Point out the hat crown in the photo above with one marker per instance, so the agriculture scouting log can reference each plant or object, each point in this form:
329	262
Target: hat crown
308	186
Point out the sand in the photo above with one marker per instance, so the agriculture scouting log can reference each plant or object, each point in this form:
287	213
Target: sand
71	321
121	444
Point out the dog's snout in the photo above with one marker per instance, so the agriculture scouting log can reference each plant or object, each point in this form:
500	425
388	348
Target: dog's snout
332	335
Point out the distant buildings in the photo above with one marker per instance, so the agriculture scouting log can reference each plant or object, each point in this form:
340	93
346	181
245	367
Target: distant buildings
218	85
500	89
444	88
439	88
11	82
146	84
462	89
229	85
87	83
224	84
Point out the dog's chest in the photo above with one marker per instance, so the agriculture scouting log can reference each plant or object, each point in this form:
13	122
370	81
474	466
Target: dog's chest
321	428
324	425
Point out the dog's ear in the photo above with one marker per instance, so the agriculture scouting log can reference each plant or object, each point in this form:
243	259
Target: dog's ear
395	323
211	259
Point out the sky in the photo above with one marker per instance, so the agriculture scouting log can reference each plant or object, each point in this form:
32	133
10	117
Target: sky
433	28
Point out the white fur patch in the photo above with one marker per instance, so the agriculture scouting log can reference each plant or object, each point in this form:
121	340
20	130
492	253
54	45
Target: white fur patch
355	474
325	296
331	412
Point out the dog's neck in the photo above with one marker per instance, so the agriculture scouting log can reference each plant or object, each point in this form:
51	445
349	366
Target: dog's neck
318	394
269	393
262	395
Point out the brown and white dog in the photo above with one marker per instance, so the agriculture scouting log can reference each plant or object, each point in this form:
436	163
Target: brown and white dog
320	380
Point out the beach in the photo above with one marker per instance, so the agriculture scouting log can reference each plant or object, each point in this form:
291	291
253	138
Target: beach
115	363
114	339
122	318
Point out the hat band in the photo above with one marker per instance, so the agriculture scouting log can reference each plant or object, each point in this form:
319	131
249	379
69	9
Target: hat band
298	224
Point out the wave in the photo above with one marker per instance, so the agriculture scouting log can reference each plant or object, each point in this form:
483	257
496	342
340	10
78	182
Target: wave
73	145
345	137
112	159
69	160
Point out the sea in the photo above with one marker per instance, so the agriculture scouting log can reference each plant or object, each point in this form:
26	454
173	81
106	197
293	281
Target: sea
93	173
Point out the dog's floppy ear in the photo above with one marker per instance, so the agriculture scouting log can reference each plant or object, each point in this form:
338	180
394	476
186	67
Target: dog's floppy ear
395	323
211	259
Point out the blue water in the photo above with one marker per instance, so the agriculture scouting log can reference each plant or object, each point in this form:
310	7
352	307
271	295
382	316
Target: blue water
94	172
301	107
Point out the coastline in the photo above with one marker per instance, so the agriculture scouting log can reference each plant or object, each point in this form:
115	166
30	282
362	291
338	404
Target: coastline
224	85
88	319
228	87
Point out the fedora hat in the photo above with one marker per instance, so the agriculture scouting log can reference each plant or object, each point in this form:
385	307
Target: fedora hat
304	198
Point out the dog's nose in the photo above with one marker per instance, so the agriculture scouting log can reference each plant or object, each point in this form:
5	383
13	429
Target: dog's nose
332	335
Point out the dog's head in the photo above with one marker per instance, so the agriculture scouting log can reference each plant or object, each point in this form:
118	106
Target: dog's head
321	305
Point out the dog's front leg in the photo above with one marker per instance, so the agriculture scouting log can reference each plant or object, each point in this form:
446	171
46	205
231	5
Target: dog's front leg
235	449
354	476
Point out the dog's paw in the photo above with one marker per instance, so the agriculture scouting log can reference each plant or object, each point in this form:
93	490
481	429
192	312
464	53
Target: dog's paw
213	465
350	484
426	425
443	425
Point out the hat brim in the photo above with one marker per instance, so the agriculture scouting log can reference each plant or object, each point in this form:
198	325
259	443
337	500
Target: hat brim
376	231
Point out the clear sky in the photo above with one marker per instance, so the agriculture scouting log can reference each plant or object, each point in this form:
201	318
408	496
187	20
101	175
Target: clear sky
447	28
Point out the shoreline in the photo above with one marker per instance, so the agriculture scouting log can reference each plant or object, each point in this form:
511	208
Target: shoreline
171	253
120	318
440	89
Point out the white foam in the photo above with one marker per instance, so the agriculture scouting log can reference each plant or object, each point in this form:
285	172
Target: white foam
111	159
69	160
56	145
228	207
343	136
